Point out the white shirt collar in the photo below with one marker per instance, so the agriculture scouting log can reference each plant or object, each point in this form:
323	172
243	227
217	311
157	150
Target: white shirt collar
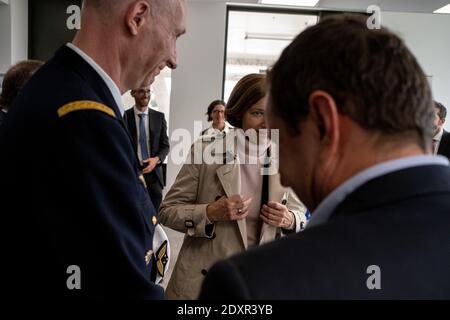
137	111
211	130
227	127
326	208
112	86
438	135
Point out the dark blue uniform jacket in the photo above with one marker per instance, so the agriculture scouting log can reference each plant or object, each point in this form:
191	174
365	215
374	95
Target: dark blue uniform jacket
70	189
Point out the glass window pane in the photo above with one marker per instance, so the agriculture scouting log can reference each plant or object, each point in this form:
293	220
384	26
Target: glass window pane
256	40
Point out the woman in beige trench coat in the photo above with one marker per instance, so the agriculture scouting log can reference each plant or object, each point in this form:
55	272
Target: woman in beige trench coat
227	206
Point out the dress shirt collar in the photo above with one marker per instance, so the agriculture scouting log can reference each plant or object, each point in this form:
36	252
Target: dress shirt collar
438	135
137	111
112	86
329	204
211	130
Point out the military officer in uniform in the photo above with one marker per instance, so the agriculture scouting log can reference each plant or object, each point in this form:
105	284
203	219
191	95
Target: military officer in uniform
79	219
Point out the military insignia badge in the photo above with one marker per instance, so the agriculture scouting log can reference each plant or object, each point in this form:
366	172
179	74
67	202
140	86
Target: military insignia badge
161	246
84	105
161	259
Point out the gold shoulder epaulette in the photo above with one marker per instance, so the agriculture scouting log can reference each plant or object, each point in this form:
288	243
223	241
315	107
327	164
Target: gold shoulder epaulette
84	105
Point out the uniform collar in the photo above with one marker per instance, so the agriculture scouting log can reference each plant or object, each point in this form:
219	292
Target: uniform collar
112	86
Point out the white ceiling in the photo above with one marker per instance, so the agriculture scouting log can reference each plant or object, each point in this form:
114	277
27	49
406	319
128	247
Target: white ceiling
245	30
426	6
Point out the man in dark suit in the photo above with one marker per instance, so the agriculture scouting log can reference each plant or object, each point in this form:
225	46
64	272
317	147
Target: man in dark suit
148	129
77	218
441	138
355	118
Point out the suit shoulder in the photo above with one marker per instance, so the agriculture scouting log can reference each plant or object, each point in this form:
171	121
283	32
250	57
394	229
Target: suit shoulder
155	112
129	112
225	281
446	136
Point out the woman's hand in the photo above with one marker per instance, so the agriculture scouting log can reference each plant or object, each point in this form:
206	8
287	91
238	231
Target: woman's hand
226	209
278	215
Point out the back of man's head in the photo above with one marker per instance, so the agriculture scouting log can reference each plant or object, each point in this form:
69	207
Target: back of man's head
15	79
372	76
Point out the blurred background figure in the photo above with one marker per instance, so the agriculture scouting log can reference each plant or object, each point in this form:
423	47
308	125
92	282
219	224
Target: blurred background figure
227	207
441	139
216	115
13	82
148	129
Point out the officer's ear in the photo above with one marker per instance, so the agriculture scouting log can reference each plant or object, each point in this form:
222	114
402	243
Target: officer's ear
137	16
133	93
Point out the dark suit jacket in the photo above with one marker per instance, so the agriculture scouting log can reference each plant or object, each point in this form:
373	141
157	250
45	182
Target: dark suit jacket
399	222
158	140
2	117
73	195
444	145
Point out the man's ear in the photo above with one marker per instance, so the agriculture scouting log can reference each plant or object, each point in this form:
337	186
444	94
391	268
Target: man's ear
137	15
132	93
325	115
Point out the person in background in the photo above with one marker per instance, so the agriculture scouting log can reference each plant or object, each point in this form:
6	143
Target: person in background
216	115
355	116
14	81
148	129
441	138
229	206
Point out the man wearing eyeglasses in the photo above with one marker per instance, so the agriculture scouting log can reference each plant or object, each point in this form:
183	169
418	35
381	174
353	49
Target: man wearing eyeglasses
148	129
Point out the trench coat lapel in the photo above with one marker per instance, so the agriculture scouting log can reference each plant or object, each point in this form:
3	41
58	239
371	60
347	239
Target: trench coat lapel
276	193
230	178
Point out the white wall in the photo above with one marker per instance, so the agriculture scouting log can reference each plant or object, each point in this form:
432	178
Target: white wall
13	33
427	35
5	37
19	30
198	79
